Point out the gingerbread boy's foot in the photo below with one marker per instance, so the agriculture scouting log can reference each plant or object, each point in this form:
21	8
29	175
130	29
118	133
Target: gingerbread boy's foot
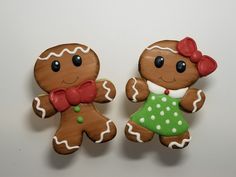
101	129
67	141
137	133
176	142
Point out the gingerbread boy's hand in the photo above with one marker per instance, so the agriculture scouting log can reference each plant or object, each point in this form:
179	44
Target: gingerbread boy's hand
106	91
193	100
137	89
43	107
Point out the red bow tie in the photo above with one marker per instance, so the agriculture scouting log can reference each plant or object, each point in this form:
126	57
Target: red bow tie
188	48
62	98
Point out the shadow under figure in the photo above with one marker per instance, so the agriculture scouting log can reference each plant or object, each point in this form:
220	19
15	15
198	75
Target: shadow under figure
168	69
68	74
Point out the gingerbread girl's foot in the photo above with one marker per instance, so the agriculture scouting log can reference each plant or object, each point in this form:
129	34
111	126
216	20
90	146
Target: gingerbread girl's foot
137	133
101	129
67	141
176	142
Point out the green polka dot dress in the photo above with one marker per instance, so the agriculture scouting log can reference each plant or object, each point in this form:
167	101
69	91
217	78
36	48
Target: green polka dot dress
161	114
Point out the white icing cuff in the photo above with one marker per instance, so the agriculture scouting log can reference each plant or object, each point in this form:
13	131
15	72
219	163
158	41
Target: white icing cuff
108	130
180	145
66	143
136	134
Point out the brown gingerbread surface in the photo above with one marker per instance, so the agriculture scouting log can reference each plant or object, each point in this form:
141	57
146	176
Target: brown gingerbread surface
168	69
68	74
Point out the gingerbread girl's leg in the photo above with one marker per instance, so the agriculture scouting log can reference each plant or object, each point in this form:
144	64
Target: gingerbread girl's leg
67	140
137	133
100	129
176	142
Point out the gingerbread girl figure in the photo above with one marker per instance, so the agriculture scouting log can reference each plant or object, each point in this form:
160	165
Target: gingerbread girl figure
168	70
68	74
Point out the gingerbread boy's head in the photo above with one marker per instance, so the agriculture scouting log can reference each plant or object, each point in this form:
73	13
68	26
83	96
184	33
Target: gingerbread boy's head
175	64
65	66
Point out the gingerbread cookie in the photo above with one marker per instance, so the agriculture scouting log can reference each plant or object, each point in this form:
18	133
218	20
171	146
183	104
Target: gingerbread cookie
68	74
168	69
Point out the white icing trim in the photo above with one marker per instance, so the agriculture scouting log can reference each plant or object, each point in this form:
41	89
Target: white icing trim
63	51
104	132
161	48
135	90
199	98
180	145
65	142
138	138
40	108
108	91
160	90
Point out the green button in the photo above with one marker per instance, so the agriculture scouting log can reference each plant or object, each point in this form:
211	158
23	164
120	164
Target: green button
77	108
80	120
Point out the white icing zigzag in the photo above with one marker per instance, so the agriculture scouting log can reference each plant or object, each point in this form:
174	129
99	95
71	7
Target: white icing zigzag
108	91
135	90
39	108
161	48
199	98
104	132
134	133
180	145
65	142
63	51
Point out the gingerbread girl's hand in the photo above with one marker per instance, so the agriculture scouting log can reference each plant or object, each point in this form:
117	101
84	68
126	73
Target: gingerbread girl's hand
137	89
43	107
106	91
193	100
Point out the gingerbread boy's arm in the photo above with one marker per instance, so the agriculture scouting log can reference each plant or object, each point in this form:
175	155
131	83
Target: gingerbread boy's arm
106	91
43	107
193	100
137	89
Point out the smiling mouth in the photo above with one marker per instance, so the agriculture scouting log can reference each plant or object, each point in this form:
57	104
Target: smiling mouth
69	83
167	81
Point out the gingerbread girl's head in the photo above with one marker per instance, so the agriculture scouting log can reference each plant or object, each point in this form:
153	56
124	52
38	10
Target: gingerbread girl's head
65	66
175	64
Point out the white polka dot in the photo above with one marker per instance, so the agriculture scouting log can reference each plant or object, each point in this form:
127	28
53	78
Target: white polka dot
167	121
158	105
174	103
153	117
162	113
158	127
149	108
164	99
168	108
175	114
153	97
174	130
142	120
180	122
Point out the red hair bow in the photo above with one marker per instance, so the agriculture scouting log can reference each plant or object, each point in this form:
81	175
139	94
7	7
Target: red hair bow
62	98
205	64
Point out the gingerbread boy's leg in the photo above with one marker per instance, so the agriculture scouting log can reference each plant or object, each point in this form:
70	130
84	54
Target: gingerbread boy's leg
137	133
176	142
100	129
67	139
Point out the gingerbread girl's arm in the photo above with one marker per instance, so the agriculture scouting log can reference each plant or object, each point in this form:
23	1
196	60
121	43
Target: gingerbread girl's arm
137	89
106	91
43	107
193	100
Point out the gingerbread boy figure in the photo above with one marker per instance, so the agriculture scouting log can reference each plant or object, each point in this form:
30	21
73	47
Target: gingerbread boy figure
68	74
168	69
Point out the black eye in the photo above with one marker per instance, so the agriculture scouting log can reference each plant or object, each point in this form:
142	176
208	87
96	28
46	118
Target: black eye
180	66
55	66
77	60
159	61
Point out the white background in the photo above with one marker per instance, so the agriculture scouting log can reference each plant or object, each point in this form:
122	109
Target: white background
118	31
